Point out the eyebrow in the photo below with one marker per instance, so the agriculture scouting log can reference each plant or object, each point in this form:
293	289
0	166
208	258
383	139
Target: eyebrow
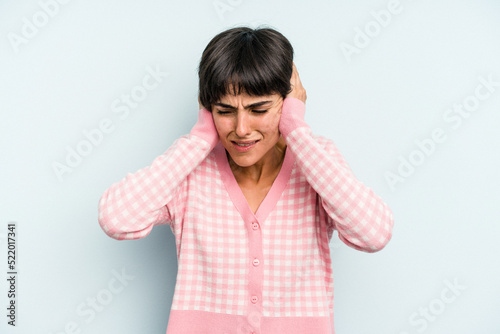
253	105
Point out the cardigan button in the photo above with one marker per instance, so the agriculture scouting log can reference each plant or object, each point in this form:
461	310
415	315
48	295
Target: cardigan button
255	262
255	226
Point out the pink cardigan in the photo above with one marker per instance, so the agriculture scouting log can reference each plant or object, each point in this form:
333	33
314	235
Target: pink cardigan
240	272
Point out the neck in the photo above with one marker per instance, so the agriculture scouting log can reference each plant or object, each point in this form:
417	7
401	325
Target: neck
268	167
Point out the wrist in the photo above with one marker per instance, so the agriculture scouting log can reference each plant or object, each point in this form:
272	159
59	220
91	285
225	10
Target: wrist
205	128
292	115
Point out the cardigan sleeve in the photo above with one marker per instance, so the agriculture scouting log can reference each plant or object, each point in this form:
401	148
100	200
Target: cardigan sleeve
363	220
131	207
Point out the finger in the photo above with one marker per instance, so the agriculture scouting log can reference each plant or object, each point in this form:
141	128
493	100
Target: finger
296	72
295	76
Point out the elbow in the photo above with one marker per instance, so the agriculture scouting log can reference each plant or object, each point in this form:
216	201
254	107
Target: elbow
369	245
119	232
109	227
365	243
118	225
383	235
111	231
372	239
106	222
379	244
113	234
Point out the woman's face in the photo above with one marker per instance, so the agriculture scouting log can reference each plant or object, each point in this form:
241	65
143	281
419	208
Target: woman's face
248	126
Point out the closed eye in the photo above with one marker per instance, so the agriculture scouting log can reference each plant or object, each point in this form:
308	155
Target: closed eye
225	112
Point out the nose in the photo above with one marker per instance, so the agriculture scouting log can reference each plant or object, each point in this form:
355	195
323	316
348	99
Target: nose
242	124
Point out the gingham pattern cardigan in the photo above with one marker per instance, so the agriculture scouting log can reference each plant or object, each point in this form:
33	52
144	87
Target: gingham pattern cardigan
240	272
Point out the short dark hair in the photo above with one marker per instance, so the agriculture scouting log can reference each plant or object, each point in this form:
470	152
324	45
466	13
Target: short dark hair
255	61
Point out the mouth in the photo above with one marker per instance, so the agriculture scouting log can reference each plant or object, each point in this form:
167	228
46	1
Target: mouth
244	143
244	146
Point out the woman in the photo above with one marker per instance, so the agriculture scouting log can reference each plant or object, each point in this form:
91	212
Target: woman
252	197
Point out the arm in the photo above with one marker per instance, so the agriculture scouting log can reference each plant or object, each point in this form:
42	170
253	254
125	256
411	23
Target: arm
363	220
131	207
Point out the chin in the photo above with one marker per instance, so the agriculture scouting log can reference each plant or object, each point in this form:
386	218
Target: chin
243	161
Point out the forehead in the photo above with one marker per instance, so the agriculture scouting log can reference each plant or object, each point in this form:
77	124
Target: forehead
244	98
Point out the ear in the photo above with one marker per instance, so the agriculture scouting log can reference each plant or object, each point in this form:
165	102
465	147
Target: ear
281	105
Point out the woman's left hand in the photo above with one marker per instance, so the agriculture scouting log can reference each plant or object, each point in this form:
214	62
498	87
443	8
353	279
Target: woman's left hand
298	91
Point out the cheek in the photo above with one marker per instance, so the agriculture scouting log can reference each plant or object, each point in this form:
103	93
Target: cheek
271	123
222	125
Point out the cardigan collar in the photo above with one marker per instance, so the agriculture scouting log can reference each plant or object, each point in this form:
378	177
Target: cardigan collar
237	195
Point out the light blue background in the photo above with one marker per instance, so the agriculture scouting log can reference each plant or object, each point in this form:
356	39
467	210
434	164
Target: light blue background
63	81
